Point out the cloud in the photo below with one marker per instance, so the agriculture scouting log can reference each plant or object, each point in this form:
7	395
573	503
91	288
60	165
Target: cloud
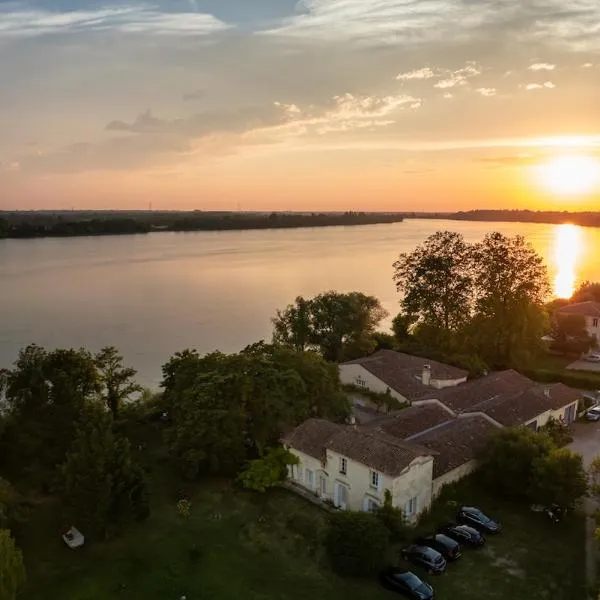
17	20
541	67
149	140
486	91
515	160
587	65
191	96
424	73
459	77
548	85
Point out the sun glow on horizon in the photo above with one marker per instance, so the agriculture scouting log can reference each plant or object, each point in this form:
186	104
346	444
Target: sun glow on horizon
569	175
567	246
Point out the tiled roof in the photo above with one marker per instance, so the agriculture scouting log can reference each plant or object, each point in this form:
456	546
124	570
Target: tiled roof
410	421
586	309
402	372
378	451
456	442
466	395
311	436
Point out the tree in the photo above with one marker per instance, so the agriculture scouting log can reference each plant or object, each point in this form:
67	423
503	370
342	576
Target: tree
333	323
228	408
8	501
266	472
12	570
44	395
506	462
588	291
569	334
100	483
117	380
436	282
559	478
511	284
357	543
401	326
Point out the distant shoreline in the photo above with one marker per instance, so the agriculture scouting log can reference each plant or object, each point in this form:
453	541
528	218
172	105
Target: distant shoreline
35	225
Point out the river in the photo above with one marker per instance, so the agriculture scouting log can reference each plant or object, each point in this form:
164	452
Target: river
152	295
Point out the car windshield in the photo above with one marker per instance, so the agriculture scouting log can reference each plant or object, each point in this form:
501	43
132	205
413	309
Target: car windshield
475	512
410	579
468	529
444	539
430	553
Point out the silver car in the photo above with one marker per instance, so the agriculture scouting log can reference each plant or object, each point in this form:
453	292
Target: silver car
594	357
593	414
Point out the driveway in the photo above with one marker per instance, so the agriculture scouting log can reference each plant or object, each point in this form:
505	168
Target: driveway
584	365
586	441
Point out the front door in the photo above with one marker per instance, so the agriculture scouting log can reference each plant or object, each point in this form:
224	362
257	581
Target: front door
323	486
570	414
341	496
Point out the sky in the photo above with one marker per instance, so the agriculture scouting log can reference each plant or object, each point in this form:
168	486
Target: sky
419	105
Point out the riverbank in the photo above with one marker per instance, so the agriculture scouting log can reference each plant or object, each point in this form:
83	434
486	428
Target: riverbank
20	225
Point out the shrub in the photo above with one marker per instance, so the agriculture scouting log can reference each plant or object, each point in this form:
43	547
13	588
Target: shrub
357	543
392	519
576	379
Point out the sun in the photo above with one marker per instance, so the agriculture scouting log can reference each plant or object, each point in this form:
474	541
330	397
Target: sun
570	174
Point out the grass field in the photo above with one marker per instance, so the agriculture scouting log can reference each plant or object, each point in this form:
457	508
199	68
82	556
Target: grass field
239	545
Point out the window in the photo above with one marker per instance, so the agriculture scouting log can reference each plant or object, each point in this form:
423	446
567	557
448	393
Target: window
375	479
361	382
595	323
310	479
343	465
412	506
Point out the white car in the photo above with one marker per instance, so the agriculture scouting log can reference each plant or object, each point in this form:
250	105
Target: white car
593	414
594	357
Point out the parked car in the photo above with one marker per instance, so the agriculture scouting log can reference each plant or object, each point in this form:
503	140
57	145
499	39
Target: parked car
450	549
593	357
593	414
469	515
397	579
424	556
465	534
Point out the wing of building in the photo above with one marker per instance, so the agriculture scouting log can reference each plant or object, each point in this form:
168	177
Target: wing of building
412	453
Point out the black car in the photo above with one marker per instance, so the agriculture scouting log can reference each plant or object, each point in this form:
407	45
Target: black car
450	549
469	515
425	557
397	579
465	534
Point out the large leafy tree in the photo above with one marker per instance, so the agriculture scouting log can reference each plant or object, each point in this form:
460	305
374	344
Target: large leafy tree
435	281
506	462
118	384
339	325
44	394
226	408
101	484
12	570
511	284
586	292
559	478
569	334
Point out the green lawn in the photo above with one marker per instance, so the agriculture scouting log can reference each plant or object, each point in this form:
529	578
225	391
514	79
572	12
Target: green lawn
238	545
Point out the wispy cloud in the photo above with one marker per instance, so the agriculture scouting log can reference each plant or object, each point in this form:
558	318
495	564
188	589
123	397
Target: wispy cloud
424	73
16	20
548	85
486	91
541	67
195	95
459	77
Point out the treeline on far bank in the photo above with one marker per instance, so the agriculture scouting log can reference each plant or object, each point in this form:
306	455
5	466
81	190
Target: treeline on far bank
46	224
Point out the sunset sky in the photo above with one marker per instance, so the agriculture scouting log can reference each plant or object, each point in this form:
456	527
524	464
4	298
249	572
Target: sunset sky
286	105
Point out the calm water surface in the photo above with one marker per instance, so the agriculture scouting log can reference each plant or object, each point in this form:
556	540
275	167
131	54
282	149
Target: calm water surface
152	295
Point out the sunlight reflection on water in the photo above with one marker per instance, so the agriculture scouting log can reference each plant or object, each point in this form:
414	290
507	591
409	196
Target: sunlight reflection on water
567	248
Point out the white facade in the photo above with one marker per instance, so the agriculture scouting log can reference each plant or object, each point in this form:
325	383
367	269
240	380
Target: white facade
363	488
592	326
452	476
355	374
566	413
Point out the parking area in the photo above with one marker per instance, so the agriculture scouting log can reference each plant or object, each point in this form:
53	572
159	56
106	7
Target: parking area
584	365
586	440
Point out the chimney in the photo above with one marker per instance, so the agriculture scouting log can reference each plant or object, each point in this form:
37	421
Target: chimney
426	375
